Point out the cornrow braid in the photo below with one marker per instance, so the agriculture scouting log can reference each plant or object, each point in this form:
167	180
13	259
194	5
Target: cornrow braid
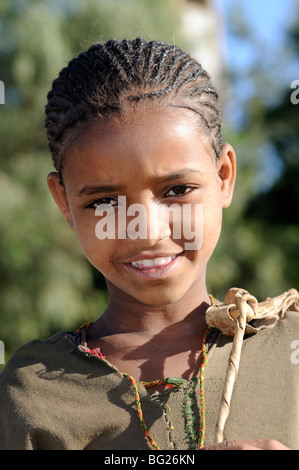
101	80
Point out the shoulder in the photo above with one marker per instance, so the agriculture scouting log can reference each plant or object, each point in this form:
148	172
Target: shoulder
290	320
266	388
280	336
46	388
20	383
272	345
48	358
35	349
45	366
32	355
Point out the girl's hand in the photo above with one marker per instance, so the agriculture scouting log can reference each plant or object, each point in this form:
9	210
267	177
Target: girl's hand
252	444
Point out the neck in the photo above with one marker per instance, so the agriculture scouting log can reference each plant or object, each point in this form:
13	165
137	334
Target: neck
150	341
127	315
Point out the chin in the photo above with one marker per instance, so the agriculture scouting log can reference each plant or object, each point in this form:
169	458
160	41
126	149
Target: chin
163	298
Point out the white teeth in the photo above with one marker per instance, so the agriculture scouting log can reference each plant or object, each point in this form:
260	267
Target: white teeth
160	261
152	262
147	262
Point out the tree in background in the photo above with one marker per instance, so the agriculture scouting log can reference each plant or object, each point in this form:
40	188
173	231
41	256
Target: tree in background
45	282
259	247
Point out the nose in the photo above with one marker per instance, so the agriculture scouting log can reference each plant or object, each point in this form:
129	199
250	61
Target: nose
159	223
149	221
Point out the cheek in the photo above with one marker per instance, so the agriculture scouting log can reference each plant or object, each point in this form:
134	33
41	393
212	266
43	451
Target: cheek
202	223
212	222
98	252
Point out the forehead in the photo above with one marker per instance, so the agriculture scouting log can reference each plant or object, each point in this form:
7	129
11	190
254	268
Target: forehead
151	141
141	122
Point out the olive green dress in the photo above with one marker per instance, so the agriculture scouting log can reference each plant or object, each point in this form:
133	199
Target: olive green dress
57	394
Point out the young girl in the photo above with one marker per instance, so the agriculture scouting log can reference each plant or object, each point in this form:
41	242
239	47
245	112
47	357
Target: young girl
141	171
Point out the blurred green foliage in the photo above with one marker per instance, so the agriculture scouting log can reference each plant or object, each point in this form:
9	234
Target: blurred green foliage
45	282
259	247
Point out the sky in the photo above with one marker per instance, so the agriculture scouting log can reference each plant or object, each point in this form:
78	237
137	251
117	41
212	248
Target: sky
265	52
268	20
269	16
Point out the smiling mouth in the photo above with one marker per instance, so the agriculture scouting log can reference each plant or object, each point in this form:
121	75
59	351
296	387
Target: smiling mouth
155	268
152	263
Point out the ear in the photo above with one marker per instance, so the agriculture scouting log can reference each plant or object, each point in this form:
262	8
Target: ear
60	197
227	174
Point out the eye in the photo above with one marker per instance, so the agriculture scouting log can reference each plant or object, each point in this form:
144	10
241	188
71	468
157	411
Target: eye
179	190
104	202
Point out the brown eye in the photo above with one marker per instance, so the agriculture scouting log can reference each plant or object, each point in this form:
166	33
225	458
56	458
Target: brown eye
105	202
179	190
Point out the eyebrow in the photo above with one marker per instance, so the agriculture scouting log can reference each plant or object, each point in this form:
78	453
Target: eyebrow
96	189
89	189
177	175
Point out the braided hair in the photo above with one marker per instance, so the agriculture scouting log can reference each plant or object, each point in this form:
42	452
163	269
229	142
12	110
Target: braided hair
109	76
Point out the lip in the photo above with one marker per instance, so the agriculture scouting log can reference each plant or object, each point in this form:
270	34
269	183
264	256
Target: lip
152	255
155	272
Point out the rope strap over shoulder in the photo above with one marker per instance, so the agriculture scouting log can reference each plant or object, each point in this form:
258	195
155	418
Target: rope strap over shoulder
258	315
242	314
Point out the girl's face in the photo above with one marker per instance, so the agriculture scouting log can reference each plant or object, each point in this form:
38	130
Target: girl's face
156	159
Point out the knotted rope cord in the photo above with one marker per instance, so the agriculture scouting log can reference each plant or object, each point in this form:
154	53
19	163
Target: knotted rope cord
232	369
233	319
